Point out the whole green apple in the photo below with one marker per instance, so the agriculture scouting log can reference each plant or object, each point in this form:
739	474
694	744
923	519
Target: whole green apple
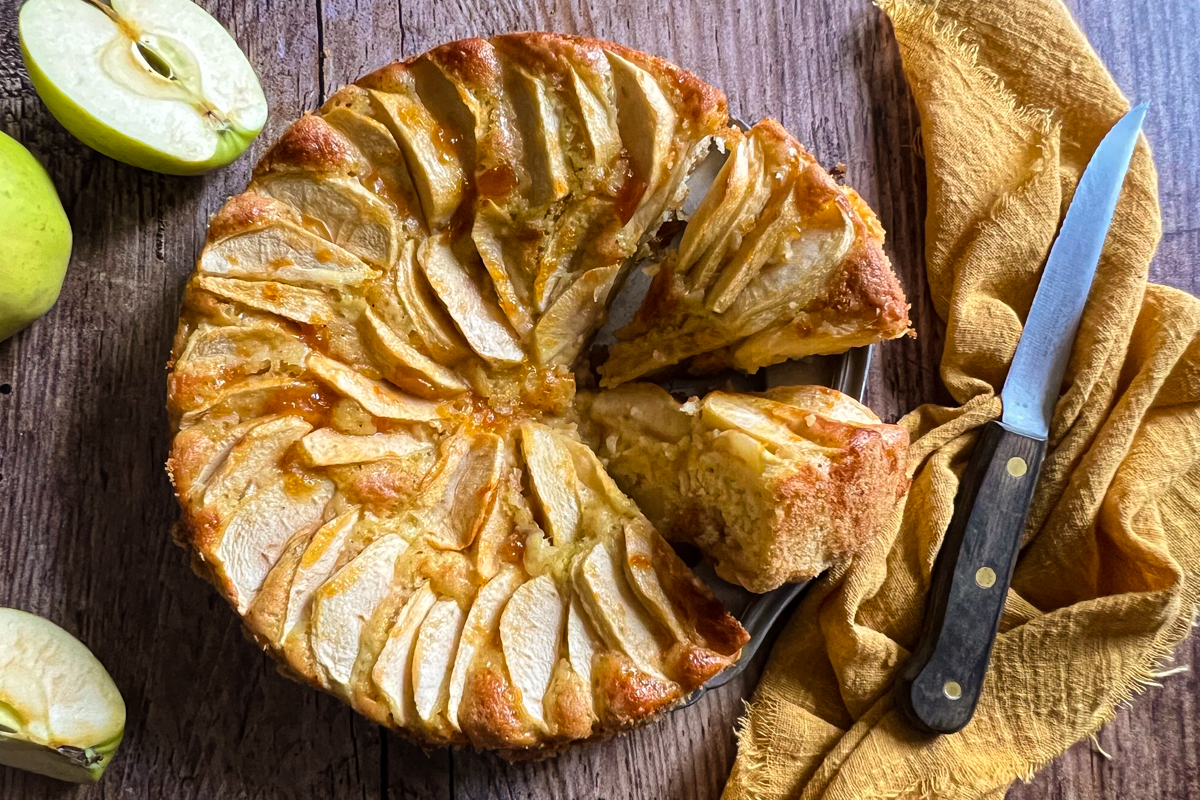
158	84
35	239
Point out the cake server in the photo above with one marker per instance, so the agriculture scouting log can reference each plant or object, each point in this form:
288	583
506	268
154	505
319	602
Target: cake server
940	685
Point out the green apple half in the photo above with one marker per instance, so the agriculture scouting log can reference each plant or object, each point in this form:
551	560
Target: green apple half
60	713
35	239
158	84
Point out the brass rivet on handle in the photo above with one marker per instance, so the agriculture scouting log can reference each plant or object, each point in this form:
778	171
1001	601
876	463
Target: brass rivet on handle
952	690
1017	466
985	577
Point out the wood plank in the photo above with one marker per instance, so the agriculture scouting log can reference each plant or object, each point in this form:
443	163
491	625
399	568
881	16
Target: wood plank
84	503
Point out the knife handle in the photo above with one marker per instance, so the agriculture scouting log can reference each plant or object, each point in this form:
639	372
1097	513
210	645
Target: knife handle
940	685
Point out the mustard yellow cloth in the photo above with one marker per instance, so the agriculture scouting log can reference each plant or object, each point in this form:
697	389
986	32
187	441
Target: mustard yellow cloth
1013	102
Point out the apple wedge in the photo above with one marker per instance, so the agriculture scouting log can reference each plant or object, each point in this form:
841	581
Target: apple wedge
60	713
158	84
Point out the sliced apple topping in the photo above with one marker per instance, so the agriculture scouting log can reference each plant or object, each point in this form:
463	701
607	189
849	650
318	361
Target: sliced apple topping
364	694
198	451
433	658
316	564
599	120
284	253
615	610
802	272
350	111
565	328
252	398
215	355
552	477
506	258
342	210
582	643
257	453
422	309
778	222
530	634
479	319
482	623
560	258
643	576
312	146
731	215
538	121
310	306
251	541
393	670
436	170
723	411
405	365
647	124
266	615
646	121
716	212
345	603
375	396
604	502
501	529
326	447
455	497
774	265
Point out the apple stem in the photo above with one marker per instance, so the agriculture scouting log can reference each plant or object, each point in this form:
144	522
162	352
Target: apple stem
115	17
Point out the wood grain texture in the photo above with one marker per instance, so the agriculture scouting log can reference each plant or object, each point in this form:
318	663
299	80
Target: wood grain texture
85	509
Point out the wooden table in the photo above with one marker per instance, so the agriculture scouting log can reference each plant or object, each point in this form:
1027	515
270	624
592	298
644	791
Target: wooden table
85	508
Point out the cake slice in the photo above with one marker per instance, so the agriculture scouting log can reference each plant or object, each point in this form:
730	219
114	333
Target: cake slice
773	488
778	262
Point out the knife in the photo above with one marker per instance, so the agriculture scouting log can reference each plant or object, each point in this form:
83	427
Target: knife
939	687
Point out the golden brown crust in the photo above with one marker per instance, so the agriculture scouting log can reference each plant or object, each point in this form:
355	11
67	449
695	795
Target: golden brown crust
310	143
472	61
247	211
569	704
720	634
380	485
490	715
855	496
868	289
394	77
628	695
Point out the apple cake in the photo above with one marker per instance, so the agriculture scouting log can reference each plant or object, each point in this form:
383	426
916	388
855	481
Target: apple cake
377	444
772	487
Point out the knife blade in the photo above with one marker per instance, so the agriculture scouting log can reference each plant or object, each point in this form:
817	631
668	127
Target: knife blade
940	685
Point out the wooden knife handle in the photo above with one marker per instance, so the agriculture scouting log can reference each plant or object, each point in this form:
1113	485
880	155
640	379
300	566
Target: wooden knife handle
940	685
